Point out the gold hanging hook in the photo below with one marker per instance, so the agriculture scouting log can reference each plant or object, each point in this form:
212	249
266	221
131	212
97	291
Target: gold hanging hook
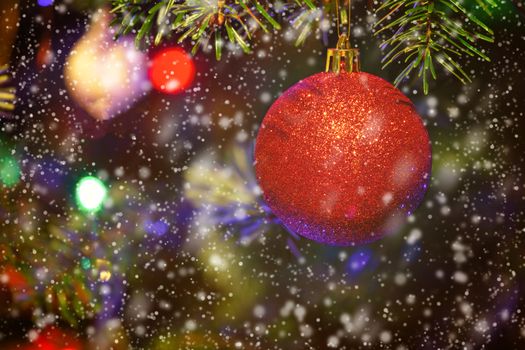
343	57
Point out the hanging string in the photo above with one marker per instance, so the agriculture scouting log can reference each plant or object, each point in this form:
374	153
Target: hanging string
349	15
343	58
337	17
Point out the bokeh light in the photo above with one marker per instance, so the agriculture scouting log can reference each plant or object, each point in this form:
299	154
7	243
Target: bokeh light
90	193
117	71
9	171
44	3
172	71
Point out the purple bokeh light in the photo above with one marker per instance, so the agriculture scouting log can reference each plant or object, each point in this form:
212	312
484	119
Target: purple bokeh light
44	3
157	228
358	261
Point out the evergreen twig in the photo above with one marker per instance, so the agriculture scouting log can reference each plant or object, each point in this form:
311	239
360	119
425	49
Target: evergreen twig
429	31
198	20
424	33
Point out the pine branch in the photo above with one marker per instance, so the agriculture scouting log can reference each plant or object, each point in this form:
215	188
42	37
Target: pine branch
198	20
425	33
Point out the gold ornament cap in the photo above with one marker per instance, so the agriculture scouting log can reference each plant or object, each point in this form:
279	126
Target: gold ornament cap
343	58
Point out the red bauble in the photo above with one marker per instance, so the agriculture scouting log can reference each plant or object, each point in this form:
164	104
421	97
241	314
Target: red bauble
172	71
342	158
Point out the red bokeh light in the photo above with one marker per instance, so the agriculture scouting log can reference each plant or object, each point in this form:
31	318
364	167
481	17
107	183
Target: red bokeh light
171	71
52	338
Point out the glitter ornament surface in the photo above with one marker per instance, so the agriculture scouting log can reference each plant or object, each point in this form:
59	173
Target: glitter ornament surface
343	158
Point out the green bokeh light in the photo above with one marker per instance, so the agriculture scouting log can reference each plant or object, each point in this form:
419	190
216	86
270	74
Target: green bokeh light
90	193
9	171
85	263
